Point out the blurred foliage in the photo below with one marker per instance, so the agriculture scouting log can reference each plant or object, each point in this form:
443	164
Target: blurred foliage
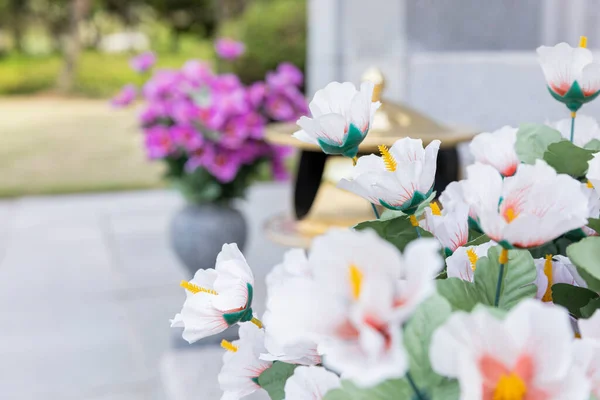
98	75
273	31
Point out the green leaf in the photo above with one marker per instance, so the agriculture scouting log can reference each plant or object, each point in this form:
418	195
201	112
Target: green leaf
394	389
432	313
590	308
533	140
273	379
573	298
449	390
398	231
593	144
517	283
585	255
566	158
476	238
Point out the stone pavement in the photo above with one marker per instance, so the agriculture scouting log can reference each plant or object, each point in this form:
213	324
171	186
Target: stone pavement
87	286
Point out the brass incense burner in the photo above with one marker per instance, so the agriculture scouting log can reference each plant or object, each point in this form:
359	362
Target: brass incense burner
318	204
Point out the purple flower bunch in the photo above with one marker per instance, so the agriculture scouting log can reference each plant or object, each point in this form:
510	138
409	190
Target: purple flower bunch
211	125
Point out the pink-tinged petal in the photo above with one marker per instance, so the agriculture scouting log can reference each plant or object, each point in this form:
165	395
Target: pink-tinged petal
200	319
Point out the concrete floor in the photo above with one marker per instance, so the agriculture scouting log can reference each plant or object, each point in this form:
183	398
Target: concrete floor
87	286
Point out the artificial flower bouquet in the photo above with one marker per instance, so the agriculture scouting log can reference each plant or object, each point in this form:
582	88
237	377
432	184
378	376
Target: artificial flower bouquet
209	128
489	292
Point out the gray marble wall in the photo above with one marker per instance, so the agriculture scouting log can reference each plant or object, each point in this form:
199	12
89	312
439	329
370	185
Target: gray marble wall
470	62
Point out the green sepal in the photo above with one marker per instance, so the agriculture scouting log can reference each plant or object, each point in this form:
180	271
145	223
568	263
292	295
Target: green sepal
398	231
574	98
349	148
245	314
410	207
447	252
506	245
575	235
474	225
590	308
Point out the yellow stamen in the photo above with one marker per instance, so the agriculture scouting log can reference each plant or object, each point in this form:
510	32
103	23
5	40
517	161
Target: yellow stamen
503	259
414	221
573	114
510	387
257	322
195	288
435	209
473	257
590	184
354	160
355	281
577	335
510	214
227	345
388	158
583	41
548	272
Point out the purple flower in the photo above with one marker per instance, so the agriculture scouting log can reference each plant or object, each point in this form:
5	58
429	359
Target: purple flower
164	85
256	94
280	108
158	142
197	72
125	97
287	104
278	165
287	74
143	62
234	133
155	111
255	123
224	165
184	112
200	157
229	49
187	137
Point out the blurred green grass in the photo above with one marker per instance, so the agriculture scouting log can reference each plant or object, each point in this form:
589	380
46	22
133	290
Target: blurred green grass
99	75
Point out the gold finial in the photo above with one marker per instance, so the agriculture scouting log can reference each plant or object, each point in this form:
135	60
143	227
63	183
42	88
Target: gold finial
583	41
374	75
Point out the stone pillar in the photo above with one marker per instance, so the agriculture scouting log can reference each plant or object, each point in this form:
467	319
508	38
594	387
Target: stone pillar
346	37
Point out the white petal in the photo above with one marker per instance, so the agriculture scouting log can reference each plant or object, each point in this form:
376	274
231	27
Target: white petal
497	149
360	108
334	98
200	319
240	367
310	383
563	64
590	79
234	276
590	328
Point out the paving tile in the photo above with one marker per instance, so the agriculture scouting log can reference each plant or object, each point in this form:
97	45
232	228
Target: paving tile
150	317
66	348
145	260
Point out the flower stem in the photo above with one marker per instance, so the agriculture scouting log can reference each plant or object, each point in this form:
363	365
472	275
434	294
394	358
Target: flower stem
257	322
375	211
414	387
573	115
503	261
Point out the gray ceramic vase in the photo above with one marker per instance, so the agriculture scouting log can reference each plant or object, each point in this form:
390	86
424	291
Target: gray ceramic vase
198	232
